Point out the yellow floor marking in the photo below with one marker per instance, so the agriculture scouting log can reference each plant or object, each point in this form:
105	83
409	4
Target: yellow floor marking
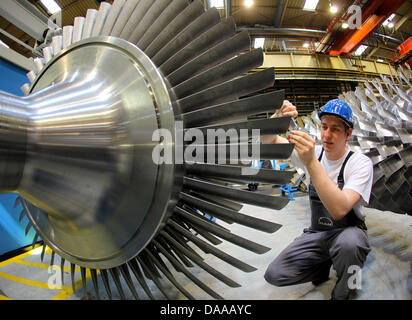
22	256
63	295
65	291
6	262
44	266
32	283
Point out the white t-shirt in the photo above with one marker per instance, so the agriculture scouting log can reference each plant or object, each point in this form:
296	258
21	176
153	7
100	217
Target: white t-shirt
358	174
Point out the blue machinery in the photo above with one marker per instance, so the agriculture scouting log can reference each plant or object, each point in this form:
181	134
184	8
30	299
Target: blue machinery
289	188
12	235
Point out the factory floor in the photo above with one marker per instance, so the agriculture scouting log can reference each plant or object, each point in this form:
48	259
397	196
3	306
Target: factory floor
386	275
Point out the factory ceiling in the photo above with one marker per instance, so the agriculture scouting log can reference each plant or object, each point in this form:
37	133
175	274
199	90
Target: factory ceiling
285	24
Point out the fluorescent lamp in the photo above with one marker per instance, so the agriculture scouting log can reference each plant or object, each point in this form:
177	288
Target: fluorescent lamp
388	22
379	60
248	3
345	25
333	9
310	4
259	42
51	6
218	4
360	50
3	44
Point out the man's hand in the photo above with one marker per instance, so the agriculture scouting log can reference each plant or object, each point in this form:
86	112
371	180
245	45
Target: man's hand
304	146
287	109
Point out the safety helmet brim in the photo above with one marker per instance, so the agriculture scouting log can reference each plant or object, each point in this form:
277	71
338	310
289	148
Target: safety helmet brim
321	114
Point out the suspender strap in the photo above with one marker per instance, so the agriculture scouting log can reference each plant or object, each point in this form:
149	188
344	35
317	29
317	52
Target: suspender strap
321	154
340	176
342	169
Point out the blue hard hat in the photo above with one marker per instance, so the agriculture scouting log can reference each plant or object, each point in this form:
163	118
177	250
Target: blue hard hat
338	108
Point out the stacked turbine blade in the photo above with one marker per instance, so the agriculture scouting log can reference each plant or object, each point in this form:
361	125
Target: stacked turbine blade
207	66
383	131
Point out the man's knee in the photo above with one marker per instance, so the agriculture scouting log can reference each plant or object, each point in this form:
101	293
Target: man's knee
275	276
352	243
347	247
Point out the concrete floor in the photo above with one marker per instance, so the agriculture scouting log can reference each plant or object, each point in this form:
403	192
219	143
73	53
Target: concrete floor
387	273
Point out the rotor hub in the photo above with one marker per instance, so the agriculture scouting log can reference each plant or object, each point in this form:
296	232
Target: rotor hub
94	109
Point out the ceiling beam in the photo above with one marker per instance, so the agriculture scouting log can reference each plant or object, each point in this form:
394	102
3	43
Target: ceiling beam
280	12
300	32
402	21
4	32
228	8
373	51
25	16
373	13
284	31
16	58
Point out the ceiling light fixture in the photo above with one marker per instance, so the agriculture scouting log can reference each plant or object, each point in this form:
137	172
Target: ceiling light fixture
51	6
333	9
310	4
360	50
248	3
388	22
